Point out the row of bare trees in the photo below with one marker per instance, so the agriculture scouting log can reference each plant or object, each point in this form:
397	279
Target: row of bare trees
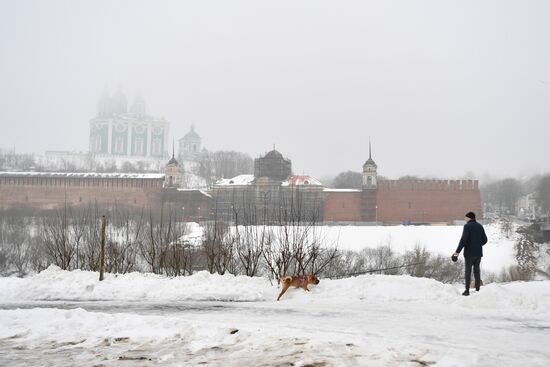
266	250
266	233
155	241
146	240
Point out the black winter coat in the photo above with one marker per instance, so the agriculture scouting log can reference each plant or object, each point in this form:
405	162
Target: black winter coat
472	240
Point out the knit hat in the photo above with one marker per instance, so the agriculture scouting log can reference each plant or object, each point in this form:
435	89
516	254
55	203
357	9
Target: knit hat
471	215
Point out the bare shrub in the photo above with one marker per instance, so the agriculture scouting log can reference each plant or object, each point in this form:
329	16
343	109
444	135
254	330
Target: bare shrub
160	230
177	258
527	252
513	273
218	247
56	236
250	243
428	265
348	263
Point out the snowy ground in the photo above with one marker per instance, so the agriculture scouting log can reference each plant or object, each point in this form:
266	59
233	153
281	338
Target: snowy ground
69	318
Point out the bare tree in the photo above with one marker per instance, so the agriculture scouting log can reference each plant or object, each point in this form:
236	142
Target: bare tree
218	247
89	256
124	234
527	252
56	237
180	256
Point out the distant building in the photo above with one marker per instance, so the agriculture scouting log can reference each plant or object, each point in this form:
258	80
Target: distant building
273	165
122	135
173	173
271	195
190	146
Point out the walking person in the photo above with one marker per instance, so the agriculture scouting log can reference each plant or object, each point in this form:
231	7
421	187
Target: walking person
472	241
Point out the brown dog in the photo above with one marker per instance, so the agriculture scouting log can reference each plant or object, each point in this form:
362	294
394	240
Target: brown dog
473	283
298	282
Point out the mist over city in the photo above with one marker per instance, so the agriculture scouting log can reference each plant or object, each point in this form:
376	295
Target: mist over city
443	90
274	183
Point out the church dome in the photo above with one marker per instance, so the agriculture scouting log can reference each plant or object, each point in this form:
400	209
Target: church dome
273	154
370	162
173	161
191	134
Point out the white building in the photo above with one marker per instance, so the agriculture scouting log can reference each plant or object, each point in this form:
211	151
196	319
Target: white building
121	135
190	146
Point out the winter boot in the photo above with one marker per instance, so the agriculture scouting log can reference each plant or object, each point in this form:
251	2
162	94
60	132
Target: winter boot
466	293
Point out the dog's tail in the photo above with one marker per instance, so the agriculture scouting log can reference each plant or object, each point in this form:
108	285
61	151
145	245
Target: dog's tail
286	280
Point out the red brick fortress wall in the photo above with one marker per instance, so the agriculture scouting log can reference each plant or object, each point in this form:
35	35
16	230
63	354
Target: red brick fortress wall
342	206
422	201
42	192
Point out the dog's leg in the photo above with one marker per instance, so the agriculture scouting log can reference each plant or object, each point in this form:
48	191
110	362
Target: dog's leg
285	287
306	288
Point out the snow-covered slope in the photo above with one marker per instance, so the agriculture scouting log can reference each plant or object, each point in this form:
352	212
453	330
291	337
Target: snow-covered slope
57	284
371	320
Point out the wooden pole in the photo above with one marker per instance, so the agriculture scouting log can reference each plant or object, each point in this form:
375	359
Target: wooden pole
102	248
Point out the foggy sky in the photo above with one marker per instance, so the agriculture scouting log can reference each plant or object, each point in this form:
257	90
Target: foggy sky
442	88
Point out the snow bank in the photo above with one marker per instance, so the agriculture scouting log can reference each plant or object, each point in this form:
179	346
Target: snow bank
512	297
56	284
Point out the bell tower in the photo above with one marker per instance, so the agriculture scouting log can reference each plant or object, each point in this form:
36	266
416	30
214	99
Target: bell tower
369	202
369	172
173	173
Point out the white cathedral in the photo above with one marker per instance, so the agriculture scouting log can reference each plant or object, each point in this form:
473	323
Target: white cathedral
121	134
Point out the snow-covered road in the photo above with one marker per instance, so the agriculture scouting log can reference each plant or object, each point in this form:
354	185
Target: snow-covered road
269	334
200	333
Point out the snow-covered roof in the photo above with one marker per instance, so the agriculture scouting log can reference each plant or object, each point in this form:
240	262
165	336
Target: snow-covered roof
341	190
201	191
236	181
249	180
83	175
302	180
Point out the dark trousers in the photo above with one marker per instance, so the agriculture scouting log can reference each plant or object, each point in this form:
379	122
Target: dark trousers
472	261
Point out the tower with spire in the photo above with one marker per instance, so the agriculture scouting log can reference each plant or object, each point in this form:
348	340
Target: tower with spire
190	145
173	173
369	171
